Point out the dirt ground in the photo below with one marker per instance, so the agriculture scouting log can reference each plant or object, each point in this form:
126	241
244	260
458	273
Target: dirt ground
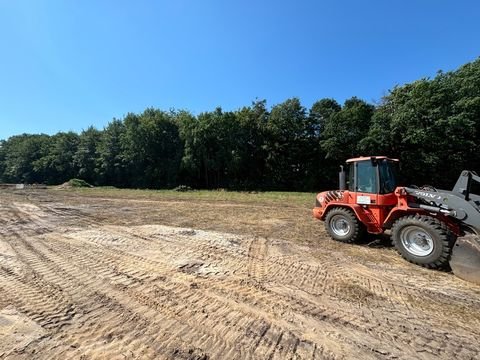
92	275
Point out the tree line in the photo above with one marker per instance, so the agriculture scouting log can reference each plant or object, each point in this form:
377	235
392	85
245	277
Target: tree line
432	125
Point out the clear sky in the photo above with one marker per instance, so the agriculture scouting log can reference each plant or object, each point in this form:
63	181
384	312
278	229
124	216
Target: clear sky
68	64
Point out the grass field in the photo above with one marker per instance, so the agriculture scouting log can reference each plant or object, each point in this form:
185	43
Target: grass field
298	198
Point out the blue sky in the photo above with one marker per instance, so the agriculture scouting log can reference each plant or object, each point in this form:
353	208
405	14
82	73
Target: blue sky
68	64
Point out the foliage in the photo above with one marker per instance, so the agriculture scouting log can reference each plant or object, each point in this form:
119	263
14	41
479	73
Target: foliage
85	158
432	125
345	128
22	158
289	138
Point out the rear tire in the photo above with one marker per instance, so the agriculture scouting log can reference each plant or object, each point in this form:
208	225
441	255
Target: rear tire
342	225
423	240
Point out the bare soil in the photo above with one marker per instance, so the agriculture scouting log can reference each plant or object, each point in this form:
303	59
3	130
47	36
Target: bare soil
92	275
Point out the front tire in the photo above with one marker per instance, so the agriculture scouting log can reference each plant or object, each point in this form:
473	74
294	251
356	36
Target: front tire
342	225
423	240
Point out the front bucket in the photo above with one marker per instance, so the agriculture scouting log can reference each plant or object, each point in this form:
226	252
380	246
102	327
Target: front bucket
465	261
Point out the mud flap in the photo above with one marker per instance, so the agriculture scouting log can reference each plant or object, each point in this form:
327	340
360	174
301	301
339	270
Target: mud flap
465	260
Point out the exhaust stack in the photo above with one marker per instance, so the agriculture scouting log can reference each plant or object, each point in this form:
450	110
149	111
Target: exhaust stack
342	183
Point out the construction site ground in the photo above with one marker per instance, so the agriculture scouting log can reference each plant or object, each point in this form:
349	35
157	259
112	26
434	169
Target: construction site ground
117	274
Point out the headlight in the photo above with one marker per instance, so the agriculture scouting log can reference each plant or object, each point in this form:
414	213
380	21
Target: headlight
319	201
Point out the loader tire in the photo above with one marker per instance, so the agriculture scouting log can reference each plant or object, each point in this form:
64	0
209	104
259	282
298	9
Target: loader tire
423	240
342	225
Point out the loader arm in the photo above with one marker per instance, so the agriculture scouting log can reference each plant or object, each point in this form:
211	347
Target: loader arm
450	203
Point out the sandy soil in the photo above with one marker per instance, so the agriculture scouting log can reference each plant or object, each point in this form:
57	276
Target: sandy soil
95	277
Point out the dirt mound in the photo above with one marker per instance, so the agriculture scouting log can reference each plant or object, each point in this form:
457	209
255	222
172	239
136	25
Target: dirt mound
75	183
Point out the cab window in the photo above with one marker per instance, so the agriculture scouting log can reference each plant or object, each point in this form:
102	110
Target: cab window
388	177
366	177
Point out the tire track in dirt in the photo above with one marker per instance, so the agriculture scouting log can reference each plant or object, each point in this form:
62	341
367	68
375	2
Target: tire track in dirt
257	254
174	306
195	302
104	256
91	283
331	278
162	292
96	270
298	309
37	261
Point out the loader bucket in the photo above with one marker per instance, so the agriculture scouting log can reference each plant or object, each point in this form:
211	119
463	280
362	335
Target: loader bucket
465	260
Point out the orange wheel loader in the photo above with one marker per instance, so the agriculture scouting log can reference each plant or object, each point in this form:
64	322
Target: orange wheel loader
429	227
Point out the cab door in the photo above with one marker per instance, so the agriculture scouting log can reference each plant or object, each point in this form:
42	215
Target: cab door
366	183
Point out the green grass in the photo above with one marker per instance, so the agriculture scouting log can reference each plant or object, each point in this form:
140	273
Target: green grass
297	198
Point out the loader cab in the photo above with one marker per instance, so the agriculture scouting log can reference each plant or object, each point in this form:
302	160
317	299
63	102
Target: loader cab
371	175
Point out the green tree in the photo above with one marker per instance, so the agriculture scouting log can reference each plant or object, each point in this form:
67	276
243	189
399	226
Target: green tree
20	154
57	165
432	126
322	170
152	149
190	171
321	113
217	147
250	151
345	129
288	136
110	164
85	158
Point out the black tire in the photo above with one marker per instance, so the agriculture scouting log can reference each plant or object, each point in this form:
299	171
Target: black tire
423	240
351	231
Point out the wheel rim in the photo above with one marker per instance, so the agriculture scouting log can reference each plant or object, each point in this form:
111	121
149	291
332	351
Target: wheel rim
417	241
340	225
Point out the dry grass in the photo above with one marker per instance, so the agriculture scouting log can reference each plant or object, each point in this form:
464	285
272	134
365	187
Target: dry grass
267	214
287	198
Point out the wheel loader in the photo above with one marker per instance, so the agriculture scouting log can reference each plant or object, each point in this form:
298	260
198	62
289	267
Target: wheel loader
432	228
